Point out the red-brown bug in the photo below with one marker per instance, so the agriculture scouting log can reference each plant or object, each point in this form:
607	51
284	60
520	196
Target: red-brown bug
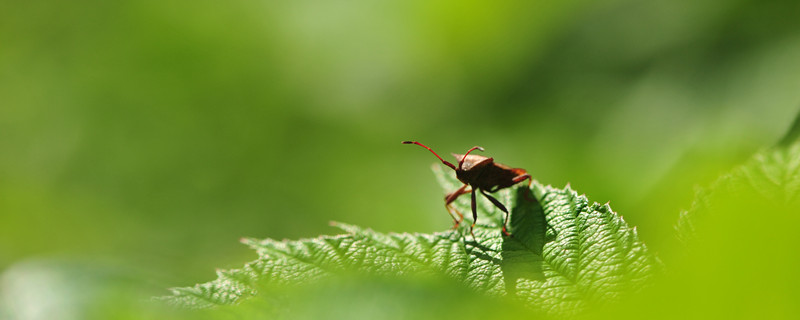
479	173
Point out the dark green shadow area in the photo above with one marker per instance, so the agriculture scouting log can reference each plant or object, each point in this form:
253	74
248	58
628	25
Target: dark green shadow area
522	252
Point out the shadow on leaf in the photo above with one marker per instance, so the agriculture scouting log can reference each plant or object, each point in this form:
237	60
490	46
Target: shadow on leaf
522	252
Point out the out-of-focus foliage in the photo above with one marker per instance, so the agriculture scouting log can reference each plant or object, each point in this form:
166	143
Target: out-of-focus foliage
564	254
738	261
146	137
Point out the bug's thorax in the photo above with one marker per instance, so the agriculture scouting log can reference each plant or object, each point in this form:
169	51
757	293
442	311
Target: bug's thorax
470	170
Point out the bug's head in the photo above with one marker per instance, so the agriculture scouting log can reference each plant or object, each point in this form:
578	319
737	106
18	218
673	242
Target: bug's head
434	153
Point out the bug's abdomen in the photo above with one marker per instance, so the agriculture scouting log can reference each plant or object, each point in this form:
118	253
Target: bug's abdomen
495	178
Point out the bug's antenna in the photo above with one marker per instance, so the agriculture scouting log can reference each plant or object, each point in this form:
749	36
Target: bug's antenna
465	155
434	153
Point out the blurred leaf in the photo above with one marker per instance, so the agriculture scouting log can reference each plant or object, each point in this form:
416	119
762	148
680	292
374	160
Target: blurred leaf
564	253
770	177
792	135
684	228
740	258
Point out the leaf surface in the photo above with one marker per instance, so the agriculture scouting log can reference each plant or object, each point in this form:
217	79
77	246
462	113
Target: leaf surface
565	252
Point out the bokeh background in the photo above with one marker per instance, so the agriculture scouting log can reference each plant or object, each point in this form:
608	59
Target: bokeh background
139	140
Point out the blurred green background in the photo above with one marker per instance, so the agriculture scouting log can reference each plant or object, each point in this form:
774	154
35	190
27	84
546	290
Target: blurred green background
144	138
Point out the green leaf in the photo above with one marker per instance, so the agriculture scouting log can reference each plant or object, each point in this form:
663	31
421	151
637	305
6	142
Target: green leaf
565	253
792	135
741	256
771	178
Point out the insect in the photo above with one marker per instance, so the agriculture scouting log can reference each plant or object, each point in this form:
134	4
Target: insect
481	174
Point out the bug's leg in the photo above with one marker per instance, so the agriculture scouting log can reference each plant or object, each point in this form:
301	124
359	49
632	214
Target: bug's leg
474	215
522	177
501	207
449	199
457	217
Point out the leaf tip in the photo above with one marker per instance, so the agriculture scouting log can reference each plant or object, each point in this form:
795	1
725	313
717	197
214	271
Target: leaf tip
248	241
344	227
